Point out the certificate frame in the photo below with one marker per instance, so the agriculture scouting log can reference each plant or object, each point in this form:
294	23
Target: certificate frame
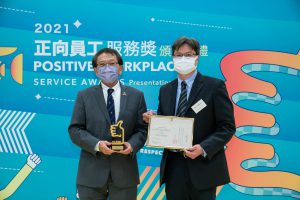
161	129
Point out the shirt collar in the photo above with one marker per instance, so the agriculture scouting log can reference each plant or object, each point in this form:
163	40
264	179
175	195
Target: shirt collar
189	81
116	87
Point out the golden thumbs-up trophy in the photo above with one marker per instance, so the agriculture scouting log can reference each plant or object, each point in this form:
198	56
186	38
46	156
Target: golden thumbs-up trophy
117	134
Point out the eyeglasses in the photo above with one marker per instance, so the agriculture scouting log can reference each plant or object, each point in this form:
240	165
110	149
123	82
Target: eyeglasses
188	55
111	63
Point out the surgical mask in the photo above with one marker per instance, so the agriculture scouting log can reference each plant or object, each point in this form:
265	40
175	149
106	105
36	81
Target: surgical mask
108	74
184	65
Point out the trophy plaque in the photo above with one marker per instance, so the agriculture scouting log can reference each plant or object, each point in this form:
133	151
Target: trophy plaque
117	134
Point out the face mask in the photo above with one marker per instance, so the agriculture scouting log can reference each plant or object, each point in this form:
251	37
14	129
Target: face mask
108	74
184	65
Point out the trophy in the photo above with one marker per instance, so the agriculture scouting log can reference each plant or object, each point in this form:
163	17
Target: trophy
117	134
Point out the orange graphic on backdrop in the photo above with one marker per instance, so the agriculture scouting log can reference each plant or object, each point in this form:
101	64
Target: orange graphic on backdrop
16	66
240	150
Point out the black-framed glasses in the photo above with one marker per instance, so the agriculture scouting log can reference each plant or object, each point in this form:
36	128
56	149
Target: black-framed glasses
187	55
111	63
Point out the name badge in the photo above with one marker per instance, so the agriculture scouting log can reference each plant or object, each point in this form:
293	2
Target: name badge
197	107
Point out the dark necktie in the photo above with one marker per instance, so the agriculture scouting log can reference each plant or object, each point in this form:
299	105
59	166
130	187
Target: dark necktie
111	106
182	103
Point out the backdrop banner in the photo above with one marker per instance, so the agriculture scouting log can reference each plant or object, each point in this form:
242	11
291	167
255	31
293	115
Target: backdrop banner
46	49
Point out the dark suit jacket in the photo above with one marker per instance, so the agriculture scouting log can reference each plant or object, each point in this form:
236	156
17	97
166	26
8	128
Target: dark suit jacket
90	123
213	128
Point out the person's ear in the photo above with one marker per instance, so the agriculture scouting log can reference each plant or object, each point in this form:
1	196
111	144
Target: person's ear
95	70
120	69
197	60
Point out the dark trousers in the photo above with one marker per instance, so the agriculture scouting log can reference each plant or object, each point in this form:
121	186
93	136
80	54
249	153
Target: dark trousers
109	190
178	182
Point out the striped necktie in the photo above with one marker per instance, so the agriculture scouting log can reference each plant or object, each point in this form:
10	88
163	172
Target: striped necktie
182	103
111	106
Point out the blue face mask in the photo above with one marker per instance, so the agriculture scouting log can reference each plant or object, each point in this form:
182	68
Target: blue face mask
108	74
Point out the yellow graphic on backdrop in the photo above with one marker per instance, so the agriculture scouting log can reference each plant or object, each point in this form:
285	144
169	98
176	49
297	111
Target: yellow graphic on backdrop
32	161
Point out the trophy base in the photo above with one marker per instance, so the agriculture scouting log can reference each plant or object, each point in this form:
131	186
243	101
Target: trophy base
117	147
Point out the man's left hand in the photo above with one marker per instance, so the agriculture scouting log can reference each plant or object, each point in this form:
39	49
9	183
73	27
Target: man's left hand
194	151
127	150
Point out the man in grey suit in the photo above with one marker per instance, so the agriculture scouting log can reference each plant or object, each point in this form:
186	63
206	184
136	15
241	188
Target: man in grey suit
102	172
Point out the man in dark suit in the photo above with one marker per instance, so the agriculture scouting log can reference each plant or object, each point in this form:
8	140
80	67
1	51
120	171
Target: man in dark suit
103	172
194	173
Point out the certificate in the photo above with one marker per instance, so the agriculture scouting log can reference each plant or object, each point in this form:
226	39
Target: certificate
170	132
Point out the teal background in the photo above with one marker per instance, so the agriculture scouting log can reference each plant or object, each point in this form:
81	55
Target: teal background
251	25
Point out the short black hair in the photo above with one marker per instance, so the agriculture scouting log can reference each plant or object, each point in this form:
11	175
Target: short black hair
193	43
109	51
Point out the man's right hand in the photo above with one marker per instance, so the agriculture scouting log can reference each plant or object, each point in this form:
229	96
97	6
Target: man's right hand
104	147
147	116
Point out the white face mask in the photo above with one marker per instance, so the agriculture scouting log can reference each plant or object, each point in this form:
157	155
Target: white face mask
184	65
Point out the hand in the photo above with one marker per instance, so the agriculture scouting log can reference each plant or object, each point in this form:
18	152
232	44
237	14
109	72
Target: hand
147	116
104	147
127	150
194	151
33	160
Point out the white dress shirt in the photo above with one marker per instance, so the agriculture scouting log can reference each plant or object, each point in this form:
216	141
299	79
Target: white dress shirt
116	96
117	101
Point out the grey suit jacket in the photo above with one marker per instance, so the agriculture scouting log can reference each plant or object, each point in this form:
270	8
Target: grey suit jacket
90	123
